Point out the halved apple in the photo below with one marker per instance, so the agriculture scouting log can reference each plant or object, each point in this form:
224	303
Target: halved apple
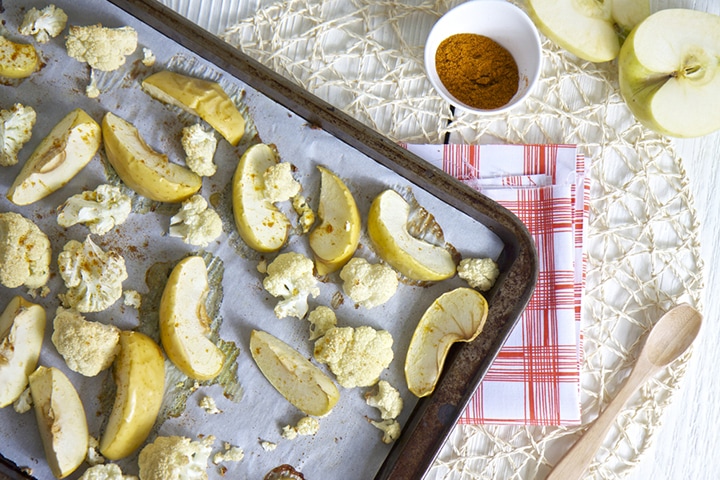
139	373
184	323
336	238
69	146
203	98
17	60
260	223
413	257
143	169
669	72
456	316
61	420
22	327
294	376
590	29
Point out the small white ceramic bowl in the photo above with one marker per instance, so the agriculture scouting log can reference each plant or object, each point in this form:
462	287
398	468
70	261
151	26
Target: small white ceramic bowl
501	21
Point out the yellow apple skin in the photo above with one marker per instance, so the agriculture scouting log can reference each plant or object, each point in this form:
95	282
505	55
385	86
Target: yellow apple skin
67	149
184	323
455	316
293	376
414	258
17	60
139	373
336	238
669	73
61	420
260	224
22	327
203	98
141	168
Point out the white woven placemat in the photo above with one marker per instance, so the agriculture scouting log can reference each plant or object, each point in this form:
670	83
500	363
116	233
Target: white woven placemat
642	241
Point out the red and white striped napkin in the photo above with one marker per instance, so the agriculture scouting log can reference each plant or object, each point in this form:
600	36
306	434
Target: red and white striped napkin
535	380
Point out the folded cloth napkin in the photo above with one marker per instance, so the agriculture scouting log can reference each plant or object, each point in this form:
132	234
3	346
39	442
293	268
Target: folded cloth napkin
535	379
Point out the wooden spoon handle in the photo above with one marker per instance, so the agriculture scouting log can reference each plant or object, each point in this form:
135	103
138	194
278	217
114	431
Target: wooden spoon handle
576	460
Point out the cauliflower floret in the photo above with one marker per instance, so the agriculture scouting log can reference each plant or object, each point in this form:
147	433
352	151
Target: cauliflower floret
24	252
43	24
101	47
480	273
24	402
357	356
16	127
321	320
307	216
132	298
289	432
148	57
279	183
93	277
199	145
268	446
106	472
230	454
100	210
92	90
391	430
307	426
175	457
195	222
87	347
93	456
368	285
290	276
387	399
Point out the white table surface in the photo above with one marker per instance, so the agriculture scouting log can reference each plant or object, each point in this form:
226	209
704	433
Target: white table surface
684	446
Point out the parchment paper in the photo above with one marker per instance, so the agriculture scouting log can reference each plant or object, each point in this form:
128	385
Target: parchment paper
347	445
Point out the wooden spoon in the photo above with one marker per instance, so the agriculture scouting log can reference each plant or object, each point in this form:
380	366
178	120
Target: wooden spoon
669	338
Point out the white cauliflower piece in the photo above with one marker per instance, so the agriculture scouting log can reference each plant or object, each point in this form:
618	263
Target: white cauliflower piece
279	183
132	298
230	454
289	432
357	356
106	472
25	252
387	399
368	285
199	146
268	446
16	127
24	402
480	273
94	457
100	47
93	277
307	426
148	57
321	320
195	222
92	90
305	213
87	347
290	276
175	457
390	428
43	24
100	209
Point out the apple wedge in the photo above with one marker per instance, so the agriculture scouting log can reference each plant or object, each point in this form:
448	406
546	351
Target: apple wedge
69	146
293	376
590	29
669	72
17	60
143	169
336	238
260	223
203	98
414	258
455	316
22	329
184	323
139	373
61	420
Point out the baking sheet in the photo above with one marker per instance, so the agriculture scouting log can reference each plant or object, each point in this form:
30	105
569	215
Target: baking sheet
252	410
